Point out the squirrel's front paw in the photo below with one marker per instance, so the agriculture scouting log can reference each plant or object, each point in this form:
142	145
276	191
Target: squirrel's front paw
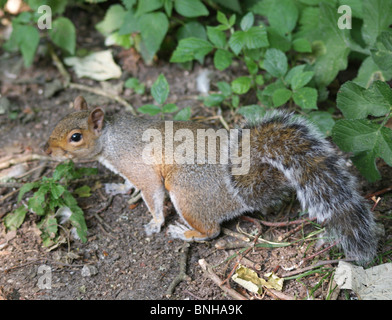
153	226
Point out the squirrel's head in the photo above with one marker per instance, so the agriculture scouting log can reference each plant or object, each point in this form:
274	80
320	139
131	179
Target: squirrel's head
75	136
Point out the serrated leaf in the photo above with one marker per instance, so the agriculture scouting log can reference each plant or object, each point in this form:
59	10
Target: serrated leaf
376	18
224	88
26	188
367	140
183	115
217	37
56	190
253	113
63	34
78	221
275	63
301	79
247	21
14	220
214	99
281	96
169	108
222	59
160	89
382	53
356	102
283	15
241	85
191	48
148	6
306	98
190	8
323	120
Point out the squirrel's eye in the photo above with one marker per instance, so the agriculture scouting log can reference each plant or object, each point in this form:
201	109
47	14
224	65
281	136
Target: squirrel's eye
76	137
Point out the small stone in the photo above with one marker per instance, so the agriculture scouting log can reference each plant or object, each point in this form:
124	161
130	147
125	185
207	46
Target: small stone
89	271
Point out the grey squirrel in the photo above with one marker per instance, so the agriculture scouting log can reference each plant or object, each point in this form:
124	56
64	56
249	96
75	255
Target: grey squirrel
285	153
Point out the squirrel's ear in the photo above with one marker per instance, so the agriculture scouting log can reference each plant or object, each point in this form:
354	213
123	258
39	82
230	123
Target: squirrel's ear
95	120
80	104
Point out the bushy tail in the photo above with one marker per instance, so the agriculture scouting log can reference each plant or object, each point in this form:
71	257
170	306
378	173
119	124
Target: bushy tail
320	177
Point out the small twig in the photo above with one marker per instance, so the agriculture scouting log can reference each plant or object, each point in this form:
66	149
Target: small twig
21	159
314	266
215	278
235	234
104	93
286	223
278	295
375	194
319	252
182	274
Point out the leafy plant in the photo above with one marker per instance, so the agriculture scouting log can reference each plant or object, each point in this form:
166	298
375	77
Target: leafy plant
25	36
160	91
366	139
51	202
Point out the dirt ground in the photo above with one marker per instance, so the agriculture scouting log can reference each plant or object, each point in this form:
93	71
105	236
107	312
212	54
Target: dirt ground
119	261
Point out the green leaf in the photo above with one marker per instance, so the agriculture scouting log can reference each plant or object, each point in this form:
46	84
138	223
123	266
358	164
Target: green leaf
63	34
306	98
83	191
150	109
113	19
382	54
190	8
160	89
369	72
27	39
241	85
237	41
252	113
356	102
275	63
217	37
323	120
222	59
153	28
148	6
376	18
14	220
301	79
256	37
302	45
26	188
191	48
169	108
283	15
78	221
367	140
214	99
131	83
183	114
56	190
49	227
37	202
192	29
277	40
224	88
247	21
281	96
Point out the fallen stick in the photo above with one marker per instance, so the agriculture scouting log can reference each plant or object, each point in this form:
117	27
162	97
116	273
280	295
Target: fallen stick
182	275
